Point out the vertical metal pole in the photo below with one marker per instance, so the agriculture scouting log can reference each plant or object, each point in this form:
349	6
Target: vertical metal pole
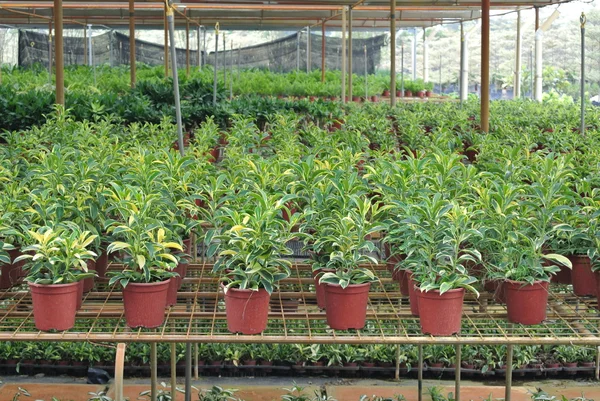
531	72
216	64
393	53
85	46
425	57
509	360
582	19
463	63
166	44
323	52
344	60
308	49
111	34
517	87
187	47
231	73
441	74
397	364
196	357
350	51
538	65
173	369
49	54
59	51
457	364
198	50
224	61
420	374
414	55
132	43
298	50
90	50
401	71
204	48
188	371
239	61
366	76
171	23
485	65
153	372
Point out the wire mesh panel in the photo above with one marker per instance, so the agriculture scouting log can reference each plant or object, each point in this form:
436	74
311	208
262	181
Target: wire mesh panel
295	318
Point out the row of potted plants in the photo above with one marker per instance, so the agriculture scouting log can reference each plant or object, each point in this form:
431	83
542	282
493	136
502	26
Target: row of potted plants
444	220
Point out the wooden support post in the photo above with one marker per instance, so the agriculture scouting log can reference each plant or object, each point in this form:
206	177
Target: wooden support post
187	47
350	53
393	53
119	365
420	374
59	51
131	43
509	360
49	54
173	368
537	17
323	43
198	52
153	372
457	363
485	66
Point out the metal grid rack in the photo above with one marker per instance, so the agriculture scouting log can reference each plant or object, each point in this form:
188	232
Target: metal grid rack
294	317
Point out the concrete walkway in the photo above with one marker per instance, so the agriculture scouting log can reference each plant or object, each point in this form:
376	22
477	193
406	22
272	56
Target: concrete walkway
271	389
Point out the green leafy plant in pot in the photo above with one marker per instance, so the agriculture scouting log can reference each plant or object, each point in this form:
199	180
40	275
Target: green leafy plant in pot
346	233
251	247
56	264
436	239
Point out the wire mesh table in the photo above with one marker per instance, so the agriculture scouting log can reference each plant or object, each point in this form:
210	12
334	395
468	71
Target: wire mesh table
294	317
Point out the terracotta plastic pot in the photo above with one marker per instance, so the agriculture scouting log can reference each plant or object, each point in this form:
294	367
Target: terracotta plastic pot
102	265
346	307
408	93
551	366
584	280
247	311
374	98
145	304
79	294
441	313
386	93
412	294
496	287
526	303
320	288
187	247
88	283
54	306
571	368
213	155
176	283
11	273
398	93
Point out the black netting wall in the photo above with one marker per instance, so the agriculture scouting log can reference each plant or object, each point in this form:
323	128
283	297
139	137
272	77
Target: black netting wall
289	53
108	48
283	55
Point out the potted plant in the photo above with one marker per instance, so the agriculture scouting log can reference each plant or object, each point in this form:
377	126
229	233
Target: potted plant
251	250
435	238
147	269
345	233
56	265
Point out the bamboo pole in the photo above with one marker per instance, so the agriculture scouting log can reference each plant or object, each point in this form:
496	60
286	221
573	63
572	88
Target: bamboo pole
323	43
517	86
187	47
166	44
350	51
85	46
344	55
173	368
49	54
153	372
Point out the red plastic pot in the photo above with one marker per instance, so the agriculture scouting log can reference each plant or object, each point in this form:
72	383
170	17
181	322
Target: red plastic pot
374	98
320	288
79	294
175	283
571	368
13	272
441	313
428	93
187	247
408	93
54	305
563	276
526	303
88	283
398	93
496	287
584	280
145	304
552	366
386	93
346	307
247	311
412	294
102	265
213	155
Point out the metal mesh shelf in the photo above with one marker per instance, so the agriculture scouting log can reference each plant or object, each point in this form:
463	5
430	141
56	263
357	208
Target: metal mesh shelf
199	316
